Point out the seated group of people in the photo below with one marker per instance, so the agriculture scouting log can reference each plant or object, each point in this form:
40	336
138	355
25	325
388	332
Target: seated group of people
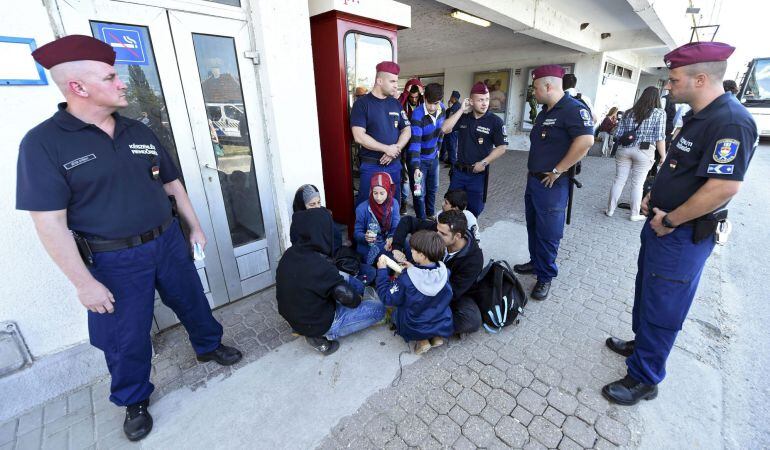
326	290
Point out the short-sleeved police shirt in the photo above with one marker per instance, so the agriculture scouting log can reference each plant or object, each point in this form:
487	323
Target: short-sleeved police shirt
554	130
382	118
477	137
105	184
717	142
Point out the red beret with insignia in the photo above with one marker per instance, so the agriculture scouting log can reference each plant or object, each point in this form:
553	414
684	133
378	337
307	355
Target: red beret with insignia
479	88
75	47
698	52
388	66
550	70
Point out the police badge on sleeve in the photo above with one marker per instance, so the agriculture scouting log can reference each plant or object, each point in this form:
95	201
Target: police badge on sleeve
586	116
726	150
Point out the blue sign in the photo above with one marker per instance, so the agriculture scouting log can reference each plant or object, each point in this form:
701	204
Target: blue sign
128	42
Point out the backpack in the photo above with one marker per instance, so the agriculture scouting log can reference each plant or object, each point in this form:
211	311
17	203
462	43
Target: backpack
499	295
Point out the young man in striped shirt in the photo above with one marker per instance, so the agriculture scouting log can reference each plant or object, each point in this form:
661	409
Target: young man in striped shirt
424	148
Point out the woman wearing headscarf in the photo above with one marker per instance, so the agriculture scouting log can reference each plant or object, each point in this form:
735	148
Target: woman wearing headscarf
376	219
309	197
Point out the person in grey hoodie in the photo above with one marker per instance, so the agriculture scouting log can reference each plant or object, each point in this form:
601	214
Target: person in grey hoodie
421	294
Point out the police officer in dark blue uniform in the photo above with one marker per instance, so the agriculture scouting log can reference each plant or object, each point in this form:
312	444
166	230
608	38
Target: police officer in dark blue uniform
449	146
561	136
97	186
702	171
481	139
381	128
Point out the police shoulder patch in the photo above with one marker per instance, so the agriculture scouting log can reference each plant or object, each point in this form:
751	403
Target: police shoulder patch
585	114
721	169
726	150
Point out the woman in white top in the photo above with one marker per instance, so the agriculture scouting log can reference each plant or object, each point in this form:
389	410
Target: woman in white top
646	122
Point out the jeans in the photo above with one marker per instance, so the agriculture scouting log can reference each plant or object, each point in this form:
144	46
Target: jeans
424	205
637	162
351	320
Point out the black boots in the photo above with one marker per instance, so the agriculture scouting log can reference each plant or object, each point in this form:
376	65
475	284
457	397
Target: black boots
524	268
628	391
323	345
540	291
138	422
223	355
619	346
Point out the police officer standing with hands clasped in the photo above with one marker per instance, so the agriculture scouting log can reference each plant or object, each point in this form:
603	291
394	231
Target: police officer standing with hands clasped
481	139
381	128
97	186
703	170
561	136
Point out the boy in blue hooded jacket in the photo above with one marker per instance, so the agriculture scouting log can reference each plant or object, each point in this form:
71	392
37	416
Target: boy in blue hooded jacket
421	294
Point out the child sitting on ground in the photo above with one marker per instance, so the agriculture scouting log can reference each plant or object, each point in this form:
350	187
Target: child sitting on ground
376	221
458	199
421	294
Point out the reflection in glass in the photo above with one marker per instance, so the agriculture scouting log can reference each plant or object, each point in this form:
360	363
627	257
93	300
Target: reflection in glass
362	54
145	94
229	130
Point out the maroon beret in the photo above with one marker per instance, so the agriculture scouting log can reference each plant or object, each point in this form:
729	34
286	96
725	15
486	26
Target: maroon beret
388	66
550	70
75	47
698	52
479	88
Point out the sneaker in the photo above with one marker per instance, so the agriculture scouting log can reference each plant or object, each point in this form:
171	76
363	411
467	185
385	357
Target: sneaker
437	341
637	218
324	346
421	347
608	213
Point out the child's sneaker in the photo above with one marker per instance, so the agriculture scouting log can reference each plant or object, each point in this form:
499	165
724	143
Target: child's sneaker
437	341
421	347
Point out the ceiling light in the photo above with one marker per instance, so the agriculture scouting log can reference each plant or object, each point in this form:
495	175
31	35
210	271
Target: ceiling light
457	14
605	35
693	10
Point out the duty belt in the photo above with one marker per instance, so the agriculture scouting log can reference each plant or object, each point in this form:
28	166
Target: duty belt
368	159
109	245
464	167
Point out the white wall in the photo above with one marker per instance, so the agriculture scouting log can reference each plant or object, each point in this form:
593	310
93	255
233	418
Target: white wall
33	293
615	91
458	75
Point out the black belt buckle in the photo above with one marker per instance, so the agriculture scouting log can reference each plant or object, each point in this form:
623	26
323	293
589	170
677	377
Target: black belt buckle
147	237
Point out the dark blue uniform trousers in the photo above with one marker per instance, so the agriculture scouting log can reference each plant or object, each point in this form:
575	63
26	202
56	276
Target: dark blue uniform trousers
473	185
669	269
132	275
449	148
545	209
367	171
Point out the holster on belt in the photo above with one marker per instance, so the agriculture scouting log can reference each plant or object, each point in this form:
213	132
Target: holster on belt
705	226
83	249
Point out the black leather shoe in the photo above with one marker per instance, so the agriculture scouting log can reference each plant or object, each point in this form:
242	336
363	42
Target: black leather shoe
628	391
524	268
323	345
402	208
223	355
540	291
138	423
621	347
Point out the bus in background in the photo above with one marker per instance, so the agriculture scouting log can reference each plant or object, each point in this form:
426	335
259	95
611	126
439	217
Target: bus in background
754	93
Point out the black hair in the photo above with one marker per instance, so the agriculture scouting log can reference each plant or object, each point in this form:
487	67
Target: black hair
414	89
429	243
457	198
649	100
434	93
455	220
730	86
569	81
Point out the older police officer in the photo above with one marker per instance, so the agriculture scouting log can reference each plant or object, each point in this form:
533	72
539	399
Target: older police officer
561	136
481	139
703	170
106	179
381	128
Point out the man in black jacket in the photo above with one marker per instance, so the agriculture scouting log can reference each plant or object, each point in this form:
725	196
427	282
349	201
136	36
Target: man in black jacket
312	294
464	260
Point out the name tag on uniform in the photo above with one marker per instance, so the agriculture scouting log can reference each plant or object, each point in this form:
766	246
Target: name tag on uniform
76	162
484	130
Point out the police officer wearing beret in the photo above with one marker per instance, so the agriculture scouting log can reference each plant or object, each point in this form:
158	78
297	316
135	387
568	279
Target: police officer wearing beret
481	139
561	136
97	186
381	128
703	170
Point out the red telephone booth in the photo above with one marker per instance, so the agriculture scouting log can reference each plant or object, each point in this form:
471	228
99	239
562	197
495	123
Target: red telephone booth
346	49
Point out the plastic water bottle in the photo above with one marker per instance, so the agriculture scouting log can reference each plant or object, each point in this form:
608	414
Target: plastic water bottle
418	185
373	230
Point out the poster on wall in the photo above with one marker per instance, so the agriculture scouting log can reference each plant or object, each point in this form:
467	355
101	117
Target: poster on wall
498	82
531	108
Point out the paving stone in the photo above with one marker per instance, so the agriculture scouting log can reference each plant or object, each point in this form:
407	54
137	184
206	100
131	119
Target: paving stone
426	414
462	443
532	401
471	401
29	421
56	441
465	376
568	444
493	376
82	434
412	430
30	441
491	415
485	355
562	401
478	431
445	430
55	409
580	432
554	416
396	444
612	430
440	400
520	375
380	430
458	415
8	431
429	444
545	432
511	432
539	387
80	399
533	444
522	415
586	414
66	422
475	365
501	400
511	387
482	388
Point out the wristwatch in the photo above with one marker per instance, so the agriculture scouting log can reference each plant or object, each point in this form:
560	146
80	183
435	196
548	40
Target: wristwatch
555	171
667	223
484	163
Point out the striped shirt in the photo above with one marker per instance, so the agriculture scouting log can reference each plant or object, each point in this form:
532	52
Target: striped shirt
652	129
426	134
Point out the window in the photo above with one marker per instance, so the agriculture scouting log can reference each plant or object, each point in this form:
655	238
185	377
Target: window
612	69
227	2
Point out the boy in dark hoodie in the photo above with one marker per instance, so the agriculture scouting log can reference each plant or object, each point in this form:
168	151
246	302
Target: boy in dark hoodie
312	295
421	294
